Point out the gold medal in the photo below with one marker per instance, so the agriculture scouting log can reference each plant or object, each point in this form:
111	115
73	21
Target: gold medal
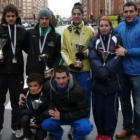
14	60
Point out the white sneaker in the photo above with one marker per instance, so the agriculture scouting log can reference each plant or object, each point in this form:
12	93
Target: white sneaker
13	131
19	133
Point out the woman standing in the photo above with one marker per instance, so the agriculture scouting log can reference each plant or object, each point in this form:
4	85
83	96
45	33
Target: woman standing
77	35
106	74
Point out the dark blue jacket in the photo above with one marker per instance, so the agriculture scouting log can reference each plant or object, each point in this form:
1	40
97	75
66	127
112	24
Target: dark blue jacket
106	78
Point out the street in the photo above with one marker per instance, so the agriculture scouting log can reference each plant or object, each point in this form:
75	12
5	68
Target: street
7	133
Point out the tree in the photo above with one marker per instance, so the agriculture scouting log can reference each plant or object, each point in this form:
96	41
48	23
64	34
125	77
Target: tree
54	22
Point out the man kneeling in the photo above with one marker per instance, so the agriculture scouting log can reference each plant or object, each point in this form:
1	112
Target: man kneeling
69	105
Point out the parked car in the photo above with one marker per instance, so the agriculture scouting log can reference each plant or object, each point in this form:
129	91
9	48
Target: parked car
25	24
94	26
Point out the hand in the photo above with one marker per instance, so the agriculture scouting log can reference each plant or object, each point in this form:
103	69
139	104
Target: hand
21	99
51	73
96	33
73	67
120	51
55	114
80	56
37	119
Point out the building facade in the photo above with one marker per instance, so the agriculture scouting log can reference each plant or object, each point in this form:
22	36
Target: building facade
18	4
32	7
28	9
94	9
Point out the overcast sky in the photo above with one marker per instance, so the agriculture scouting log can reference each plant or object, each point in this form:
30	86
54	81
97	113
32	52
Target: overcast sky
61	7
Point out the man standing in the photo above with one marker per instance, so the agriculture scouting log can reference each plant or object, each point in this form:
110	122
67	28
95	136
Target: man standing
69	105
129	30
11	61
43	45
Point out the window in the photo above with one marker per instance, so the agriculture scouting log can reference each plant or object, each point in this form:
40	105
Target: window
29	4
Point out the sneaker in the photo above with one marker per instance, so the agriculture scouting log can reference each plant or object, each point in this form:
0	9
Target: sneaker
99	137
19	133
107	138
13	131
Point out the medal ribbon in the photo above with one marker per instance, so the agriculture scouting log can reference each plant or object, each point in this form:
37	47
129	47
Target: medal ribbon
108	43
42	47
13	46
81	35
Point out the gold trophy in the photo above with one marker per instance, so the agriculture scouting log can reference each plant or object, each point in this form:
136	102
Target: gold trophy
2	43
47	72
78	62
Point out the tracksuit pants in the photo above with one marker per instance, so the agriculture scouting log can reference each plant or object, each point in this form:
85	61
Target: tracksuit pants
13	83
105	112
41	134
82	127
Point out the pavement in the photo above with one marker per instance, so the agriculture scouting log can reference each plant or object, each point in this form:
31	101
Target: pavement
7	133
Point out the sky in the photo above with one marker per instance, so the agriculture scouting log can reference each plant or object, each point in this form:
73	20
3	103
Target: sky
61	7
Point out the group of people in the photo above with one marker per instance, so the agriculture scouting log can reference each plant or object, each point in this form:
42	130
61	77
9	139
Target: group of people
105	64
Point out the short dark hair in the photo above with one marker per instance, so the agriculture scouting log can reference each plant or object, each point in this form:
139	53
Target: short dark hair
78	5
10	8
35	77
130	3
60	69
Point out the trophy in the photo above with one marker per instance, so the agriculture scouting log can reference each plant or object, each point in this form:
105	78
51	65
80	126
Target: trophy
105	55
35	105
47	72
78	62
2	43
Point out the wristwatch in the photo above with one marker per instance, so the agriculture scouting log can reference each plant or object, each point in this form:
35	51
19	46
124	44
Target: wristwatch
125	51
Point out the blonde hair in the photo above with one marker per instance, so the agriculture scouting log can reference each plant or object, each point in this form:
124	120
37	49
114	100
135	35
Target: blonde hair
105	18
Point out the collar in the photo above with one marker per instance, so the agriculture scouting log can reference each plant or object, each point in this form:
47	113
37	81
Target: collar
132	23
77	28
61	90
44	30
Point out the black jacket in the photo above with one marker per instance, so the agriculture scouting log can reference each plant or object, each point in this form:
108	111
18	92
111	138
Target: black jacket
72	104
52	49
27	108
106	78
8	67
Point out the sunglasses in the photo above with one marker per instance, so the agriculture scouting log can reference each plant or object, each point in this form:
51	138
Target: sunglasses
78	14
